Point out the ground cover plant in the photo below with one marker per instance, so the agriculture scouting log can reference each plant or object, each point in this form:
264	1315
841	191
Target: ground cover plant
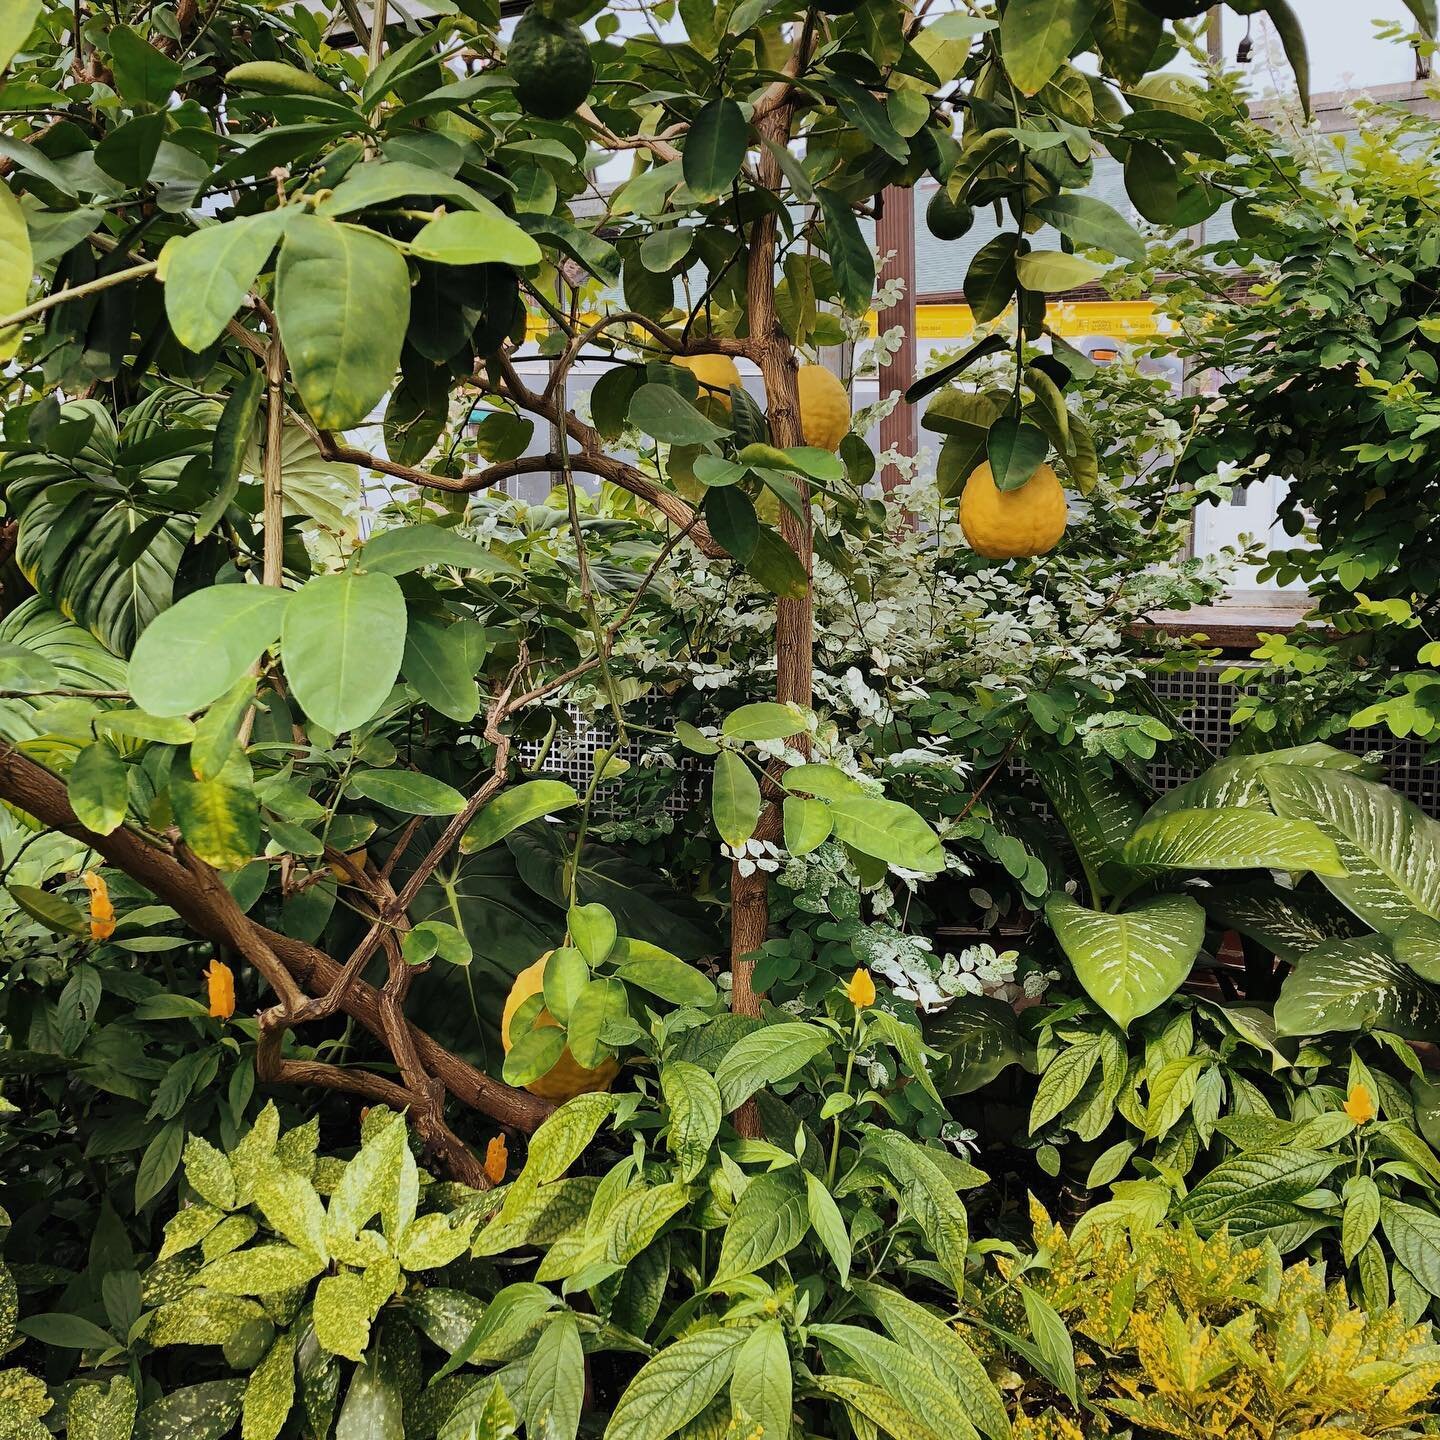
364	1078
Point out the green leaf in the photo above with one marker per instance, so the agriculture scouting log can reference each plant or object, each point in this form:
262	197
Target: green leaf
218	729
408	791
1050	271
765	1057
196	1412
98	788
441	661
1256	1191
1092	223
16	23
769	1220
1128	34
592	931
671	1389
807	824
693	1099
270	1393
128	152
534	1054
566	975
219	818
261	1270
17	262
888	831
142	74
1361	1215
734	799
990	280
829	1226
1037	37
1015	450
555	1381
1232	840
342	296
102	1412
714	149
208	274
638	962
413	547
878	1407
1414	1235
1356	984
342	641
823	780
929	1339
515	807
774	564
978	1036
763	720
1052	1342
664	413
851	259
762	1385
1390	850
373	1407
599	1003
475	237
1129	963
930	1196
195	651
66	1332
730	513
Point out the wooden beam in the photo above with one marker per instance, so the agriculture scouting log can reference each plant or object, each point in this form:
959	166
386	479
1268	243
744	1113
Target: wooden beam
895	231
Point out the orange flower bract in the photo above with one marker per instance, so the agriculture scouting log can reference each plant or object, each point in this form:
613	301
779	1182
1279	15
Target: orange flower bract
497	1160
860	992
221	981
1360	1104
102	912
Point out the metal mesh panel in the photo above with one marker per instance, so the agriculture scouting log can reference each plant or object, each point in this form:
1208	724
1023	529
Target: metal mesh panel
1197	696
1204	704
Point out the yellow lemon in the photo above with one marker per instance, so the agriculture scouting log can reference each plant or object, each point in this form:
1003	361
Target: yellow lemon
716	374
567	1077
824	407
1005	524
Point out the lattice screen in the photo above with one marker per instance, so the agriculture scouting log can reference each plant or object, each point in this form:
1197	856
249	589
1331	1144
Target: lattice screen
1197	696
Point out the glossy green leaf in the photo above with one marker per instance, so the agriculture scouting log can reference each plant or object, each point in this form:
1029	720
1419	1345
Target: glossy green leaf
765	1057
514	807
408	791
1227	839
734	799
664	413
195	651
1356	984
1037	36
342	640
714	149
1049	271
762	1386
342	296
807	824
1015	450
98	787
475	237
888	831
207	274
17	264
851	259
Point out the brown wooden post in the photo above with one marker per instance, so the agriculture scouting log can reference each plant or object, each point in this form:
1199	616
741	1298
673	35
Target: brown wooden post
895	231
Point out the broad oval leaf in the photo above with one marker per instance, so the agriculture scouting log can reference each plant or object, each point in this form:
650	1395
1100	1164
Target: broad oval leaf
1356	984
342	641
515	807
195	651
475	237
408	791
1129	963
714	149
766	1057
671	1389
888	831
208	274
342	296
734	799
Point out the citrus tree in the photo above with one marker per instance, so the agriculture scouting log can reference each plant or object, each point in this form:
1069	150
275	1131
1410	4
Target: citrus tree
234	234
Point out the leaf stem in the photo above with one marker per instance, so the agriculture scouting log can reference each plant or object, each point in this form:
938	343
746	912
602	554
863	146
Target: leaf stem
77	292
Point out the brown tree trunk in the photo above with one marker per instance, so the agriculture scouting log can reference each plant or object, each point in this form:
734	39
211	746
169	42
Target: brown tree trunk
770	349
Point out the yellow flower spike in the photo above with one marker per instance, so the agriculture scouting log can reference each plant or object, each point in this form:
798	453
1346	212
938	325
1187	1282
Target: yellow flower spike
221	981
1360	1104
860	992
497	1160
102	912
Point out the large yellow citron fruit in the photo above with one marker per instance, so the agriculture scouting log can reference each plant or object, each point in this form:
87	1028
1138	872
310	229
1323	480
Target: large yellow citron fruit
716	374
824	407
1006	524
567	1077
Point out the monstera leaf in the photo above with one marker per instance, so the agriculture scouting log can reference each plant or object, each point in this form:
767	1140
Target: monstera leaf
1357	984
81	662
1390	849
